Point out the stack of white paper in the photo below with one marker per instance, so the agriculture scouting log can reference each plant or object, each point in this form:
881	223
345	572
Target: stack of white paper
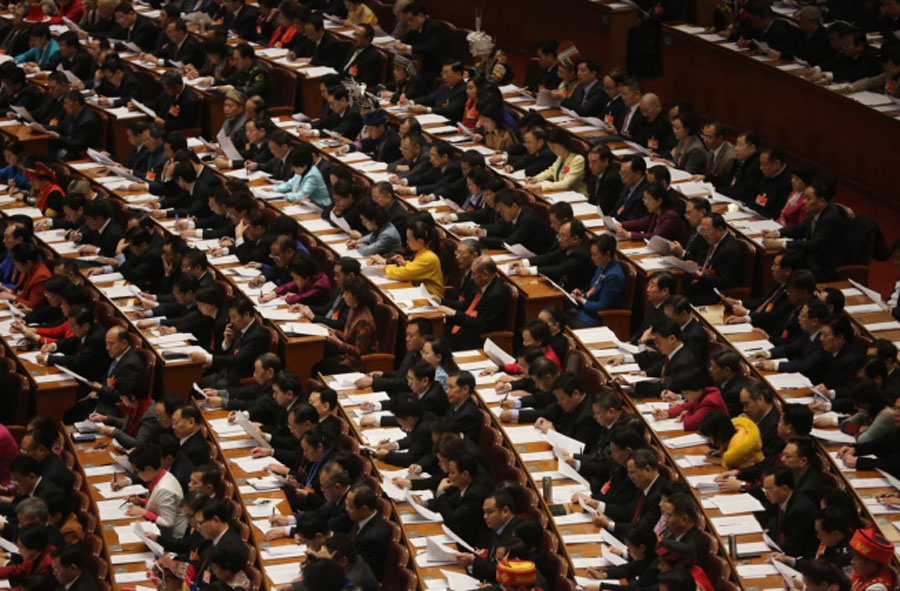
737	525
689	440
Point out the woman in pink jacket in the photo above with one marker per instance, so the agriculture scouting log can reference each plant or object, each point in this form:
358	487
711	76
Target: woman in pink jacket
699	401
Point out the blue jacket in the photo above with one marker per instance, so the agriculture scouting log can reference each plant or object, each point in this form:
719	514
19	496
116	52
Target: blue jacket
605	293
386	241
14	173
311	185
42	57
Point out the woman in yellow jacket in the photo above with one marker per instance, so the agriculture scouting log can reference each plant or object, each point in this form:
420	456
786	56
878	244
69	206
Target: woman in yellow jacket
425	268
736	440
566	173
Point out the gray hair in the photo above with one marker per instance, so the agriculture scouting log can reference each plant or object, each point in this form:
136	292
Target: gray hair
33	508
810	13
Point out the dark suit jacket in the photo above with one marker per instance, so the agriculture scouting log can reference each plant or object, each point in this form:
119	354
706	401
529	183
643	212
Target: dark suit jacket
365	68
489	315
348	123
467	419
429	43
372	543
533	164
128	375
841	368
655	135
463	513
129	88
772	193
696	339
578	424
395	381
203	570
770	311
245	348
243	24
768	432
572	270
449	183
794	528
605	190
384	149
646	510
651	316
668	372
416	444
745	179
434	403
725	268
528	231
88	359
449	101
180	112
142	34
630	203
590	104
79	64
805	355
76	134
278	168
544	79
189	52
731	393
814	48
196	449
53	468
821	246
328	52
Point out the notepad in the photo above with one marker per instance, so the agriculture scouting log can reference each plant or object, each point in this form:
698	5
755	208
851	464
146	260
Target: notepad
106	491
737	503
756	571
737	525
832	435
789	381
882	326
689	440
524	434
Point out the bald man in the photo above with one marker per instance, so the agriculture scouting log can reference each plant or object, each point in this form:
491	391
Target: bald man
652	129
482	311
126	373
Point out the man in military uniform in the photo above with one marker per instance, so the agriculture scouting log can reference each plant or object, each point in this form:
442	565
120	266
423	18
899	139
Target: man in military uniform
251	76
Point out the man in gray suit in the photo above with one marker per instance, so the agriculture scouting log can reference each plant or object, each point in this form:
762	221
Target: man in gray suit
720	155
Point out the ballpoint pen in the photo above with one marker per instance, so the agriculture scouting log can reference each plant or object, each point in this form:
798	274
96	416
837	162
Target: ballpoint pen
124	503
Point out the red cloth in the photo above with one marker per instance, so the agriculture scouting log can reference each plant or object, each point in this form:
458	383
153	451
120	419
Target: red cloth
9	450
73	11
549	353
42	565
710	401
31	286
54	333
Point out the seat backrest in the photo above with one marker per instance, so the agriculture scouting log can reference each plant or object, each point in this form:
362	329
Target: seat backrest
576	361
273	339
286	84
592	379
255	578
631	274
512	306
324	259
748	254
149	359
387	319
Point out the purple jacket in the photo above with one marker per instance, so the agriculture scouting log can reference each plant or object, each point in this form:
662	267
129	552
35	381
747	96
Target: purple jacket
670	224
315	292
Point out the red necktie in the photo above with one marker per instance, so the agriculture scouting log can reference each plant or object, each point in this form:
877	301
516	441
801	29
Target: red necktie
638	507
470	311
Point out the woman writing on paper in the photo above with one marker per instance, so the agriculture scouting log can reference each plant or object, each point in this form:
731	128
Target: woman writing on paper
424	268
307	182
663	219
309	286
699	401
383	237
359	336
567	171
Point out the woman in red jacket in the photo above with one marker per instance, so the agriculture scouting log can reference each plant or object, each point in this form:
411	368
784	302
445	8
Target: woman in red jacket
37	556
32	273
699	401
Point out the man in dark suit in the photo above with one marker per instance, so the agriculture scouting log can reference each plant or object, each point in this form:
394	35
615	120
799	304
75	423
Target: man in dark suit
100	234
126	373
682	525
414	164
449	99
546	76
572	414
213	518
812	45
804	354
776	33
678	308
770	311
801	456
660	286
381	141
186	422
536	157
758	402
51	110
341	118
743	182
85	351
570	265
845	356
132	28
395	381
775	184
176	108
482	311
363	62
417	443
38	444
118	86
670	360
588	99
643	469
461	504
17	91
445	178
78	130
421	382
280	164
73	58
525	226
245	340
790	520
596	463
723	265
726	373
181	47
327	51
499	514
425	38
630	203
69	568
606	185
463	408
818	237
370	533
25	472
652	129
240	19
